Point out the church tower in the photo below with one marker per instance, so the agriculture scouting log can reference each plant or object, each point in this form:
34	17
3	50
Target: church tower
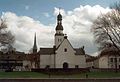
35	45
59	36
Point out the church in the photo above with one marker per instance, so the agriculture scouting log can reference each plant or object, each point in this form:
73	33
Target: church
62	54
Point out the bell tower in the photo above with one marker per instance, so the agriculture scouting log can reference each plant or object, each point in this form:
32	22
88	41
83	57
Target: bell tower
59	36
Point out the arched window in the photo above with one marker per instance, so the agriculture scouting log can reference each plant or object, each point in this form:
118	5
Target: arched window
65	50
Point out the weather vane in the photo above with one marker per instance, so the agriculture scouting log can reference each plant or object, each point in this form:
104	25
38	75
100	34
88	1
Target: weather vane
59	9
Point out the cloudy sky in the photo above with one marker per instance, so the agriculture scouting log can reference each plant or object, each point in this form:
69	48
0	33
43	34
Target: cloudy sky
25	17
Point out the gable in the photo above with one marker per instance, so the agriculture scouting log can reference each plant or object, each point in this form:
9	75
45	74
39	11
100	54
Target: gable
65	45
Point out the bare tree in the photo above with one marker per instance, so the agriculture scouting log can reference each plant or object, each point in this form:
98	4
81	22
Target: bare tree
106	29
6	37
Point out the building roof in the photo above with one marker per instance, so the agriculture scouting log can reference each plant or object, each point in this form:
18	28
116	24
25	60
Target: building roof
109	51
65	38
50	51
13	55
59	26
34	45
90	58
59	17
46	51
79	51
59	22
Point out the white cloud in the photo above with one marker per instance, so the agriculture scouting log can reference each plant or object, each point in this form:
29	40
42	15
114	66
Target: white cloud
57	10
96	53
24	27
77	24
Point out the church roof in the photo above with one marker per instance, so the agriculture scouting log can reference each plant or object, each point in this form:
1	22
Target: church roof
59	27
46	51
79	51
59	17
59	22
50	51
65	37
34	45
109	51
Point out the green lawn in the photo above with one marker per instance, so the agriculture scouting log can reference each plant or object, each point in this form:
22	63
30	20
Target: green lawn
41	75
22	75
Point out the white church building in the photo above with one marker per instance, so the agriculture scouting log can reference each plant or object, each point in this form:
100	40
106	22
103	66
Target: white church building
62	54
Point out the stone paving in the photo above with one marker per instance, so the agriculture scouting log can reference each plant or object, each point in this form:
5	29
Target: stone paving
58	80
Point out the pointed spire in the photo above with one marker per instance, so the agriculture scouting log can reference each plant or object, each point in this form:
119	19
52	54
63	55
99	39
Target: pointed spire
35	45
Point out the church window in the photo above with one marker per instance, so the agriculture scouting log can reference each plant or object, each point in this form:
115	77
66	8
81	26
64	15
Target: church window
65	50
60	39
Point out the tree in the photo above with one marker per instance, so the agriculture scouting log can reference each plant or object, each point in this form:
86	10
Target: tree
6	37
106	29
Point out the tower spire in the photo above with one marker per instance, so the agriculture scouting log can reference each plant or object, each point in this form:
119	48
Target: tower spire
59	36
35	45
59	21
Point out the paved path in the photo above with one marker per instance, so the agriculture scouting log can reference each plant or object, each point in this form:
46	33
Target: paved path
59	80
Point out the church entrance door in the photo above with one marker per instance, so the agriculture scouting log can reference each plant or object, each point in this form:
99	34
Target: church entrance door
65	65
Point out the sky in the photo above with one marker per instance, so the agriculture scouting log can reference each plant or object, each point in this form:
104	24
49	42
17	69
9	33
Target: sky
25	17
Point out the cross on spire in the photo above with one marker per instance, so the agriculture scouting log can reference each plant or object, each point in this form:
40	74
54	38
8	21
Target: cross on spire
59	9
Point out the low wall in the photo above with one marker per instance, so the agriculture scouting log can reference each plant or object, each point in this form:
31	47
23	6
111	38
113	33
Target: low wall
61	71
104	69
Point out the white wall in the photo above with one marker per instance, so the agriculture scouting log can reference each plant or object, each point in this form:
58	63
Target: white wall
58	39
69	56
46	60
80	60
89	64
103	62
25	63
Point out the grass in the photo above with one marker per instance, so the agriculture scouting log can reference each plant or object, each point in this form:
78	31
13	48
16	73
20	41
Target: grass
41	75
22	75
101	75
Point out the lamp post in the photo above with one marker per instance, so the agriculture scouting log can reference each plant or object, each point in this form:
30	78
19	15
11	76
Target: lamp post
116	62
